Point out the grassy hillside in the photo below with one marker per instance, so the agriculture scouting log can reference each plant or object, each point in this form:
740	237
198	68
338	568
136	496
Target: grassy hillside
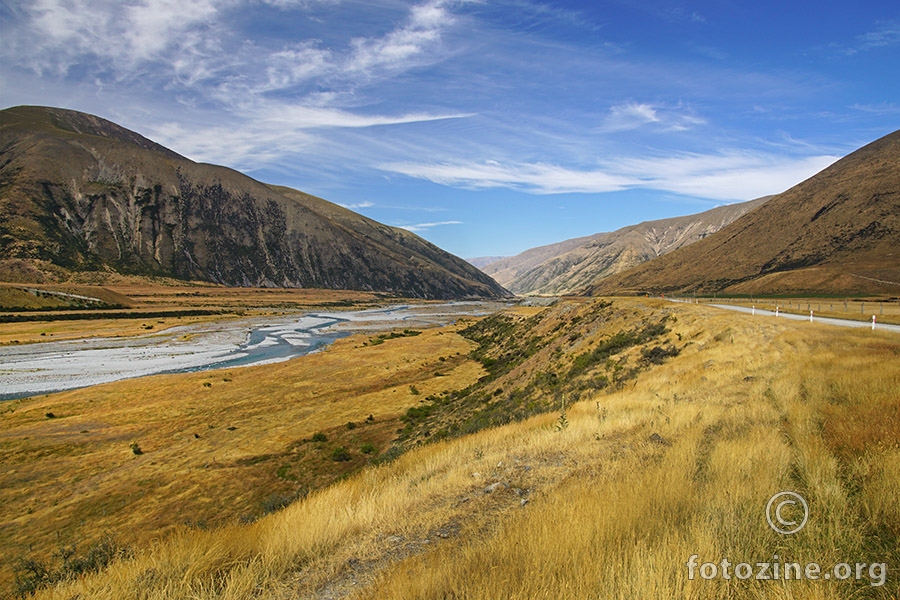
609	499
837	233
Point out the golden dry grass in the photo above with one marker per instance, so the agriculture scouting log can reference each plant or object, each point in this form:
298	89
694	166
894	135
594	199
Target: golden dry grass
626	522
602	508
74	477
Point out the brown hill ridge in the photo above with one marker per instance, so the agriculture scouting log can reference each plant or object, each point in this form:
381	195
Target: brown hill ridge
569	266
80	193
838	232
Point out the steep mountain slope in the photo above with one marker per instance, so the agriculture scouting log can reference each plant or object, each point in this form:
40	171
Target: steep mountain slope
568	266
509	269
837	232
83	193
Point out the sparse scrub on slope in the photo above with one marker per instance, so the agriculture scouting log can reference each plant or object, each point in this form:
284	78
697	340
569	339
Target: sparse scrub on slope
531	367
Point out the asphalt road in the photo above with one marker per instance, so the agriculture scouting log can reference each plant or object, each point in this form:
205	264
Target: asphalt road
826	320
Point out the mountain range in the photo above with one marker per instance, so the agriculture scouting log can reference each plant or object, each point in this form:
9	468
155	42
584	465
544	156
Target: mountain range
80	193
571	265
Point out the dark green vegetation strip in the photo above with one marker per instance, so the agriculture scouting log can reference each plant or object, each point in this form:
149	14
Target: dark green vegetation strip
199	312
32	574
506	343
382	338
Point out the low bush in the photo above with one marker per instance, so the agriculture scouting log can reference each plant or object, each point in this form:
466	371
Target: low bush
31	575
340	454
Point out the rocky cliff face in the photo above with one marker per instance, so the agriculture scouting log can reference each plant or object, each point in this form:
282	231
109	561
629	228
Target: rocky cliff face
85	194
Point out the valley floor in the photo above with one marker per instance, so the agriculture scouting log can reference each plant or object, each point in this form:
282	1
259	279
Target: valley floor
40	368
659	433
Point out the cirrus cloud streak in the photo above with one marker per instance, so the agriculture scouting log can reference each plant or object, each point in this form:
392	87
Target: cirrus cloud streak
727	176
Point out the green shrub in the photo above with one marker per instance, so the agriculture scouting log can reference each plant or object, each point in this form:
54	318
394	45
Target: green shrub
389	455
276	502
319	437
340	454
658	354
367	448
31	574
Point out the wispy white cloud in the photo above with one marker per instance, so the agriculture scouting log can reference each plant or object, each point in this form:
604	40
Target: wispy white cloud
194	49
426	226
286	4
885	108
729	176
887	34
295	64
251	101
118	36
270	131
295	116
884	35
733	175
529	177
247	147
356	205
633	115
405	44
629	116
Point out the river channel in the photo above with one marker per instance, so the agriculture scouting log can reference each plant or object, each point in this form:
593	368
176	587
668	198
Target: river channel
42	368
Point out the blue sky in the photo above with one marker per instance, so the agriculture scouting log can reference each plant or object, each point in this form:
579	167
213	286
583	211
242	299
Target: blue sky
487	127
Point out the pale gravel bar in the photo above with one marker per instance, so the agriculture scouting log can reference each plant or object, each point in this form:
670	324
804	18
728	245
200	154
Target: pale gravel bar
41	368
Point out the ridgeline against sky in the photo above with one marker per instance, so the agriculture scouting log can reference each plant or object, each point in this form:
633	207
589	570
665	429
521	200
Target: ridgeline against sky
487	127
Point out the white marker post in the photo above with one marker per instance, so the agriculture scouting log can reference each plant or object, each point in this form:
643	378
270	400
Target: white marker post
810	316
776	311
753	311
873	322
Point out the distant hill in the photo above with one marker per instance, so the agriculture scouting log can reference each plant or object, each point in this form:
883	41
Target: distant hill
838	232
80	193
571	265
483	261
